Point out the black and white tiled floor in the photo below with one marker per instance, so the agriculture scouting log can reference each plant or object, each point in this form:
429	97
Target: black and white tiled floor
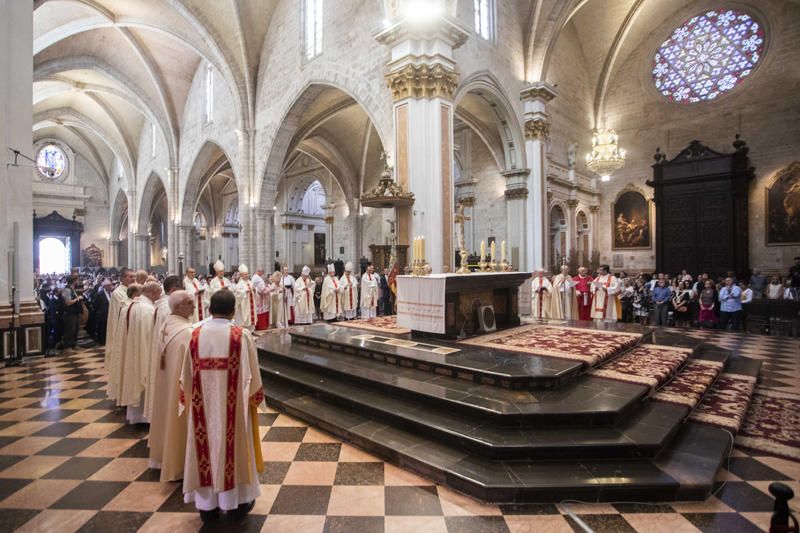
68	462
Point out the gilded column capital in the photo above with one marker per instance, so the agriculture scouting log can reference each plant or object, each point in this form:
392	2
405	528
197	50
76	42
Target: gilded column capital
537	129
422	81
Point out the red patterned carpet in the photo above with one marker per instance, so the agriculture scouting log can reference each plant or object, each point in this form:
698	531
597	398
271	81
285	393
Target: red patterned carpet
648	364
772	424
577	344
691	384
726	403
381	324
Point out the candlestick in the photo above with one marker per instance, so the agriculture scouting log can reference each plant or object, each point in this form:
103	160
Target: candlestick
503	251
483	251
492	250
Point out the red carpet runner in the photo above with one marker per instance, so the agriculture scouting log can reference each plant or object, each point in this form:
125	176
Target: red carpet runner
691	384
381	324
726	403
648	364
773	424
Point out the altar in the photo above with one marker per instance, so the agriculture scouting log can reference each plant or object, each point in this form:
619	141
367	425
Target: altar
447	304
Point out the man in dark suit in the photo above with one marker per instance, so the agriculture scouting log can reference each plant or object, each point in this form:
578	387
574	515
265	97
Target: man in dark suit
386	293
101	305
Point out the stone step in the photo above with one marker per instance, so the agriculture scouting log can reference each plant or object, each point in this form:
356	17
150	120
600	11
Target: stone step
642	434
727	401
685	470
590	401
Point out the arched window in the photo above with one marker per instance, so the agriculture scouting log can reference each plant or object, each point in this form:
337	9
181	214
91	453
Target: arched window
51	162
314	199
152	140
209	94
312	13
484	19
53	256
708	55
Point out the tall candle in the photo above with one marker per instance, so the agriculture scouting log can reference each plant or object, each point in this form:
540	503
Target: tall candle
503	251
422	247
483	251
416	248
493	248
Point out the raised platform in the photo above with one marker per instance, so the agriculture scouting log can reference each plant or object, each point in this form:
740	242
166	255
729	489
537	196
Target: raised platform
504	426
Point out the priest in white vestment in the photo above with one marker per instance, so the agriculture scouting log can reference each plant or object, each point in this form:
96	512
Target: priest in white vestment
263	289
331	298
118	298
605	288
369	293
171	284
221	388
286	316
562	299
349	284
132	294
219	281
134	365
245	293
197	290
541	290
167	437
304	298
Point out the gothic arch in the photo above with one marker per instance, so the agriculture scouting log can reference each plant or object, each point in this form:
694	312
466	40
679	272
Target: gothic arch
211	158
151	194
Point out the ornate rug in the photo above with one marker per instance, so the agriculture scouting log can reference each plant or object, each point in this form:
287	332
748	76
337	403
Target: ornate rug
726	403
381	324
691	383
647	364
772	424
578	344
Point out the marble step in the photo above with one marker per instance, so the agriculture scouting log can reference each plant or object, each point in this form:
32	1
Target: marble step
684	470
588	402
642	434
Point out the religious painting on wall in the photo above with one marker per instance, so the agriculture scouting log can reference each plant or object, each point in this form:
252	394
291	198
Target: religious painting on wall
631	221
92	256
783	207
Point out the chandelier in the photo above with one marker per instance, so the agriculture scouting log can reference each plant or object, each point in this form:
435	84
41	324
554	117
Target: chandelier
606	156
387	193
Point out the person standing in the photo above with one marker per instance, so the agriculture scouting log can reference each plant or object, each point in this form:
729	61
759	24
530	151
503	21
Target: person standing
263	296
349	285
72	314
331	297
101	306
708	304
162	311
583	293
662	296
774	289
167	437
196	290
385	294
304	298
369	293
220	281
245	300
794	274
287	309
758	283
605	288
118	298
540	295
221	387
730	305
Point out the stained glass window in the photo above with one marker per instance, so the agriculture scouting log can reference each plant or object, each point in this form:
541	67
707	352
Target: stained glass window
708	55
51	161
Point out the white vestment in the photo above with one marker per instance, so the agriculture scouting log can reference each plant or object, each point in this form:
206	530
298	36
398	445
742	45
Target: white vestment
369	295
220	389
160	316
540	297
167	437
245	304
197	290
304	300
286	302
216	284
562	298
263	292
132	369
331	298
117	348
605	289
118	298
349	285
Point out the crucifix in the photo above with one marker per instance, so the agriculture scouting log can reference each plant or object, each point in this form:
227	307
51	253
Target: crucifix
460	218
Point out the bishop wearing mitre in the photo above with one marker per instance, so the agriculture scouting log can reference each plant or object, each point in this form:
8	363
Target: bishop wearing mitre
541	291
134	364
167	438
221	388
561	299
245	293
331	298
605	288
369	293
197	290
304	298
349	285
219	281
171	284
118	298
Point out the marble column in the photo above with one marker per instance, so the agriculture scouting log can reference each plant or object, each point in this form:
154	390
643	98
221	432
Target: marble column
330	249
113	259
187	245
247	198
518	220
423	78
537	131
142	253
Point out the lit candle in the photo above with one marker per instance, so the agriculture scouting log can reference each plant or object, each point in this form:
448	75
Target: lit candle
422	247
483	251
503	251
492	250
416	248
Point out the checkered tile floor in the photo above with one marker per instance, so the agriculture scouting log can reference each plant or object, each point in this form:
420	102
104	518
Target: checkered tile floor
68	462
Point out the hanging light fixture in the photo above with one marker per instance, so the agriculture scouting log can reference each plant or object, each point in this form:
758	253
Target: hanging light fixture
606	156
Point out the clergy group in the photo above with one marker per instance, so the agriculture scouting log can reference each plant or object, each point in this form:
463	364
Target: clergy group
579	297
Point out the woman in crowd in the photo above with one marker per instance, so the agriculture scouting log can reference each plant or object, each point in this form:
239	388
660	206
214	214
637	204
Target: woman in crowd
680	304
641	302
708	304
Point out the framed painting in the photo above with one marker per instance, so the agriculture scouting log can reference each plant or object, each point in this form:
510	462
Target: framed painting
630	222
783	208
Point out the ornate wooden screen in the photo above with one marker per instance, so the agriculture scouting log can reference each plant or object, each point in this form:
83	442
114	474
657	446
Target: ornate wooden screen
701	210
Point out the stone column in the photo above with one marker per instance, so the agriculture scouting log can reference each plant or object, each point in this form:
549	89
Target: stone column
187	244
594	213
518	220
422	76
142	255
173	237
537	131
269	240
113	259
329	244
247	198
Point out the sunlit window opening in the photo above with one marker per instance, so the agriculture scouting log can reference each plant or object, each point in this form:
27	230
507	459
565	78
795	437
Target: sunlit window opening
53	256
313	27
484	18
